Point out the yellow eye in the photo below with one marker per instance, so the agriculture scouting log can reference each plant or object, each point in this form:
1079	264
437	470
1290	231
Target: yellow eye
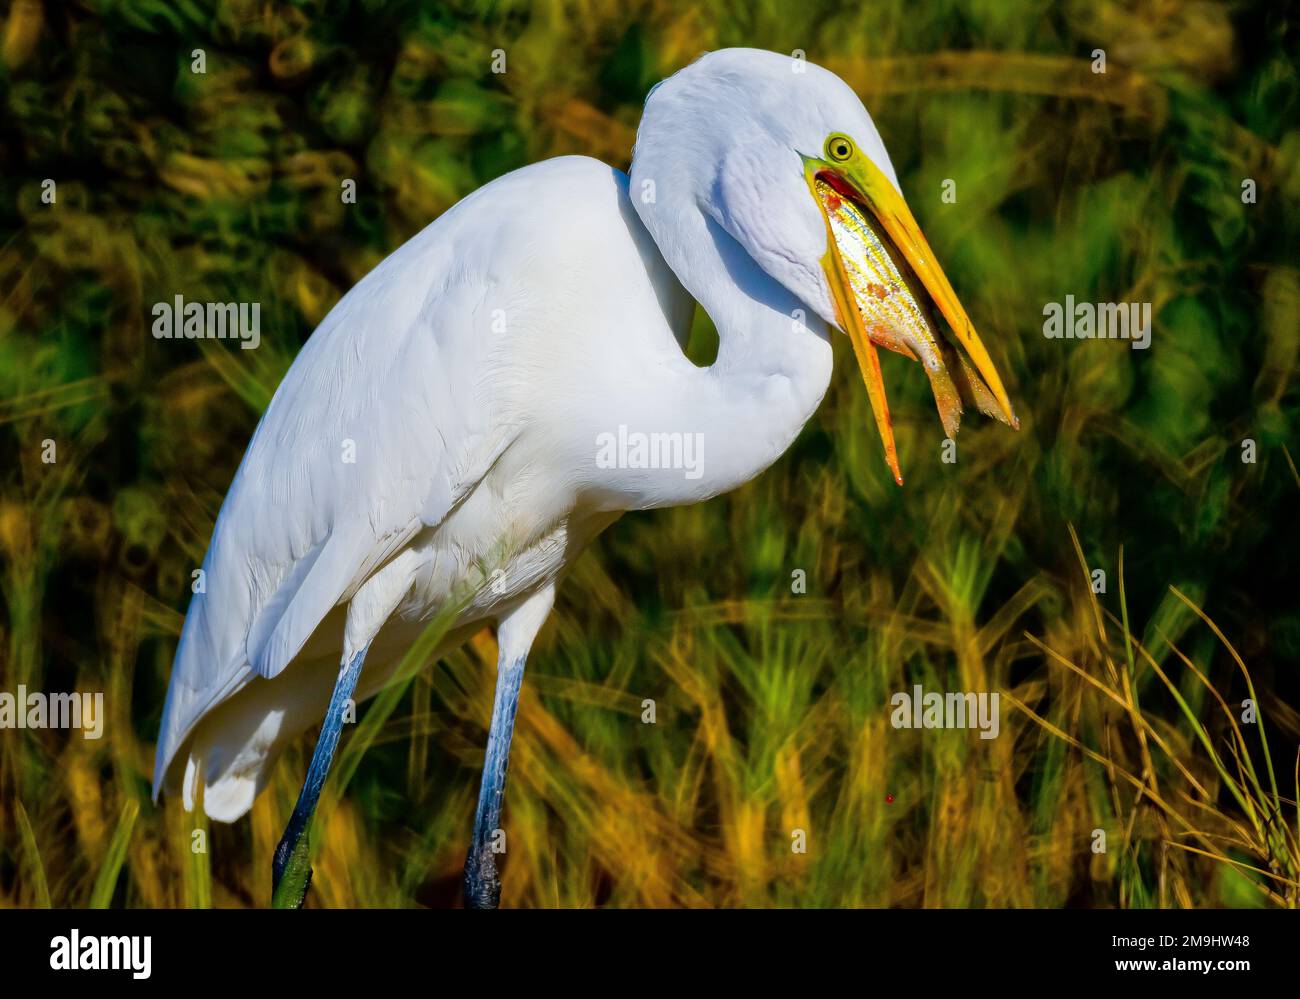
839	148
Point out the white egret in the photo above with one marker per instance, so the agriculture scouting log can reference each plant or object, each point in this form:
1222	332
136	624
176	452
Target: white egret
442	427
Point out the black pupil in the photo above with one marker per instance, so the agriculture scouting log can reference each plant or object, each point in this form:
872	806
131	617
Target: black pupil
841	150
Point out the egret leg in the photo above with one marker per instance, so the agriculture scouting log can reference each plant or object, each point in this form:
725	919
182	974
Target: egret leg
482	885
291	869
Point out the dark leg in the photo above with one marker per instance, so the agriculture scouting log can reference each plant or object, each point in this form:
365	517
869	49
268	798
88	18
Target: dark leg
291	870
482	885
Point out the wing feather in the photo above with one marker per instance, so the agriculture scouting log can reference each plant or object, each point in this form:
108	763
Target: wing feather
341	473
393	412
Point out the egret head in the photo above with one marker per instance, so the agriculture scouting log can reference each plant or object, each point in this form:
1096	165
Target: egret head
782	155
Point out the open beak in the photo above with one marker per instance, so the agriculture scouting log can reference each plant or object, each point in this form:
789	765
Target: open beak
876	256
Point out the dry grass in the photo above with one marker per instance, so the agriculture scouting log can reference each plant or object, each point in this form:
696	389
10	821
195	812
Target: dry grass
772	706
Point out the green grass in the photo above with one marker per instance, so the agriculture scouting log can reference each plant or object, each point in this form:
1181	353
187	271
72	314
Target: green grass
771	706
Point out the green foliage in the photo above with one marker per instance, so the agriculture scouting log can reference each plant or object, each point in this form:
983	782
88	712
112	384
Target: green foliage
772	706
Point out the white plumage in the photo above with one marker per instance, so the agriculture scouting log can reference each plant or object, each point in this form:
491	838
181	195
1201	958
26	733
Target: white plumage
439	373
471	375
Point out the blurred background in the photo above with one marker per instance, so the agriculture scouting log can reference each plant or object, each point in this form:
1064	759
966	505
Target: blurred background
1121	708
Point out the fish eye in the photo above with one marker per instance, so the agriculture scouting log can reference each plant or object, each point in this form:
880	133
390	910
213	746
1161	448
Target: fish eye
839	148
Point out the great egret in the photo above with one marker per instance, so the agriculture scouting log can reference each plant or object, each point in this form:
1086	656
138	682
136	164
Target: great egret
448	426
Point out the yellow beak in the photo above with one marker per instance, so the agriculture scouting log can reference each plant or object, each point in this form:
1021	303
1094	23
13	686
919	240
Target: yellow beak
863	186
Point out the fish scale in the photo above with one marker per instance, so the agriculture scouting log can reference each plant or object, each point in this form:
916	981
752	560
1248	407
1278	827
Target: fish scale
884	291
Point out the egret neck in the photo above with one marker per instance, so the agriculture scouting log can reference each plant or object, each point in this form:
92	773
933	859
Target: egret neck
774	353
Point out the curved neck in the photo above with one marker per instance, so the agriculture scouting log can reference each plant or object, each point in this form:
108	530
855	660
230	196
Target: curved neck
773	363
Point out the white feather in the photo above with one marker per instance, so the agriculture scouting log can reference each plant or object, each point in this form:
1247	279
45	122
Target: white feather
472	374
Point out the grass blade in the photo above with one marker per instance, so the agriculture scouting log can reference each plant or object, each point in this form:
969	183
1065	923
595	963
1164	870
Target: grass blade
102	894
33	853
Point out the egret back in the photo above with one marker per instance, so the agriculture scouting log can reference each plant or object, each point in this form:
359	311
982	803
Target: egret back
397	407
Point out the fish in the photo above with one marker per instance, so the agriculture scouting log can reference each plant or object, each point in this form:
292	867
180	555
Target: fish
897	312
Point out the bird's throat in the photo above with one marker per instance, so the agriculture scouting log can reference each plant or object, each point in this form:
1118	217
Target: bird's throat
772	369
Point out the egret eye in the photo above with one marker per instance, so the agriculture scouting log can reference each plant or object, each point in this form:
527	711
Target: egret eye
839	148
